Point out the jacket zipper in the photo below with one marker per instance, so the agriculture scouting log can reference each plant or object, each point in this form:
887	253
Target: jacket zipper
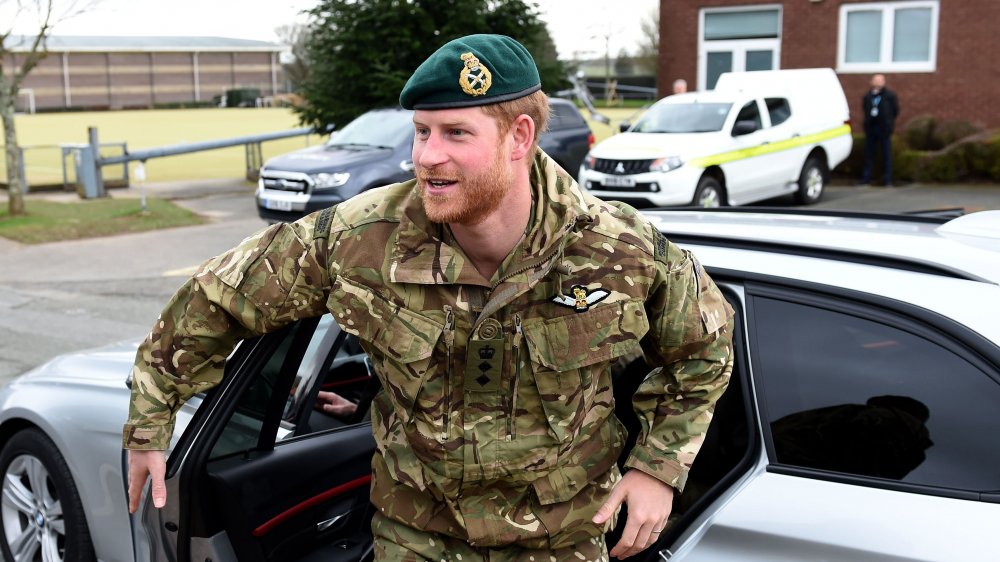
449	342
518	338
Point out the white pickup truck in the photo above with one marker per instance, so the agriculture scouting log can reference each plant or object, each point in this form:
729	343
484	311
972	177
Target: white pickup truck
758	135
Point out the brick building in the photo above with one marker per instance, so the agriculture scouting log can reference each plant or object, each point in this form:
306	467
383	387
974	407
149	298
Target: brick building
131	72
938	55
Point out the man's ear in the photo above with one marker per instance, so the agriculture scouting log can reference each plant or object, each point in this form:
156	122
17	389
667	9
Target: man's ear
522	132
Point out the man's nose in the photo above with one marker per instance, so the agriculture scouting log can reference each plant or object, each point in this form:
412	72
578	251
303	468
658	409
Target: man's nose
430	152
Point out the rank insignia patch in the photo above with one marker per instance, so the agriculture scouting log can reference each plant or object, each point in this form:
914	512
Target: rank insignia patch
581	298
475	78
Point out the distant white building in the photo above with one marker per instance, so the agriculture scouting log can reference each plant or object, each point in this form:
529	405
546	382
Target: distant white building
95	72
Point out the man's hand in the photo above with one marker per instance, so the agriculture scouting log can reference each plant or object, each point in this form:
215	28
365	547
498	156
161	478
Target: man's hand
335	404
143	464
649	503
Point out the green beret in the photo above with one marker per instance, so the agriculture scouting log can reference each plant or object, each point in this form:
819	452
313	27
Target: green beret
472	70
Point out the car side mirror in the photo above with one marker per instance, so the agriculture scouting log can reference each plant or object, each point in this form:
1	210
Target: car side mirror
744	127
623	126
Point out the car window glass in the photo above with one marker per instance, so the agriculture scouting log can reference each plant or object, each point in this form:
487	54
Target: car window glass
345	374
556	120
778	109
564	116
376	128
855	396
683	118
243	430
749	112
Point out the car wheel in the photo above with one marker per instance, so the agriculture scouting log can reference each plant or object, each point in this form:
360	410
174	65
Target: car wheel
812	180
709	193
40	512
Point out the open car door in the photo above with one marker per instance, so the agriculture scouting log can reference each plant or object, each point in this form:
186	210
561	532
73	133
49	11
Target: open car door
260	474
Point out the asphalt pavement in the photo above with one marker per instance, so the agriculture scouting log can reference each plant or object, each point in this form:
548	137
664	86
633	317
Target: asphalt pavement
67	296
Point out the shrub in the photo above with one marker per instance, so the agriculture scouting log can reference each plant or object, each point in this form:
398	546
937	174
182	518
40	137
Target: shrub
949	132
918	133
242	97
971	157
945	167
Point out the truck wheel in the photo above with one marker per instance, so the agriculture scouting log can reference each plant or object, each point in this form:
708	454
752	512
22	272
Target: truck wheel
812	180
709	193
41	514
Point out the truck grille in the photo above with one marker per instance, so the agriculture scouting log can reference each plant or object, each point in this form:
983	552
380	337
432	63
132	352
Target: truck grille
291	182
628	167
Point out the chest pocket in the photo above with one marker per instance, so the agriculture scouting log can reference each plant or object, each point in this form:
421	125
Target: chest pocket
400	342
570	356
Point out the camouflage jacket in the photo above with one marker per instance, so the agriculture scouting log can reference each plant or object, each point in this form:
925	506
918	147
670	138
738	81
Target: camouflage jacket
495	423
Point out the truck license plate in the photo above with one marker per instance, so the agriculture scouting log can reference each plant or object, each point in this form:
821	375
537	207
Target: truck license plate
277	205
618	181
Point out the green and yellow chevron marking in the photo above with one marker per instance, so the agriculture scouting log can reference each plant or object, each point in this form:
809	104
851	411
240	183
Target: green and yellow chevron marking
733	155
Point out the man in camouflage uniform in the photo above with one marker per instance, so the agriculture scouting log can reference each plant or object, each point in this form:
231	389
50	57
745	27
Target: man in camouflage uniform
492	296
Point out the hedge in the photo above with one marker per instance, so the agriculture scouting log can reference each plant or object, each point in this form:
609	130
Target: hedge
928	151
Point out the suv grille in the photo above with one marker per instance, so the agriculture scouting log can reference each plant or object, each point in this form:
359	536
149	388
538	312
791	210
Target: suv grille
628	167
296	183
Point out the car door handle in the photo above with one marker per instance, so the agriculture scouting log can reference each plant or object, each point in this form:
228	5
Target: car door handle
324	525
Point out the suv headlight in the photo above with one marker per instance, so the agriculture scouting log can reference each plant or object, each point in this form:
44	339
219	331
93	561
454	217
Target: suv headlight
666	164
589	162
329	180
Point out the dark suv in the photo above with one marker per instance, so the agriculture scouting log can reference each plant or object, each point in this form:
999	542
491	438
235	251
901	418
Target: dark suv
568	138
374	150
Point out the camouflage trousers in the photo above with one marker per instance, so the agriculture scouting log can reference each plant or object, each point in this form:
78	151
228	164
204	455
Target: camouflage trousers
395	542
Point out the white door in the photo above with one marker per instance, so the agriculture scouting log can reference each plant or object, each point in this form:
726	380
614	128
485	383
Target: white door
735	56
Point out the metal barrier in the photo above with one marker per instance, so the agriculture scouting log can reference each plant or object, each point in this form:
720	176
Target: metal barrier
45	167
89	162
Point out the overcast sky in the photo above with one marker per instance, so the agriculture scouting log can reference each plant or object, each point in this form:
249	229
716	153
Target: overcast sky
577	26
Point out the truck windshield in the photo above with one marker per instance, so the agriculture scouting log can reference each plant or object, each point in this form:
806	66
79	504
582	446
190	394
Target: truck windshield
683	118
378	129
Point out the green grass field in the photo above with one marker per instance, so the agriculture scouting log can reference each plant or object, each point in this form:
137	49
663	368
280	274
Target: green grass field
49	221
41	135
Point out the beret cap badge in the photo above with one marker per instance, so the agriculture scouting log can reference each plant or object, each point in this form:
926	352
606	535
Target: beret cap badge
475	79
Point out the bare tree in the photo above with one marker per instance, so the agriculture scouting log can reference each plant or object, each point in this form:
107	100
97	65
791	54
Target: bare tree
19	55
649	43
296	37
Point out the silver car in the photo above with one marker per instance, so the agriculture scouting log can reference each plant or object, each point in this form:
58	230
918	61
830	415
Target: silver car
861	422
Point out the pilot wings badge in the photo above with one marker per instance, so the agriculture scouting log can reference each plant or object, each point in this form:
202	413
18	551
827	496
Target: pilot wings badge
581	298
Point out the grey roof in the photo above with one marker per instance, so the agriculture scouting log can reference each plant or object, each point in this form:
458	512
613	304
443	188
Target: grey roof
144	43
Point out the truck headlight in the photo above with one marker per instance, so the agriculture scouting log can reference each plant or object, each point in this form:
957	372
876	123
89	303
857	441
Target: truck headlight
329	180
666	164
589	162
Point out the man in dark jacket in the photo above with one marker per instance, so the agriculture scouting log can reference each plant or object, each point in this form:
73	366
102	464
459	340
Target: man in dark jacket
880	108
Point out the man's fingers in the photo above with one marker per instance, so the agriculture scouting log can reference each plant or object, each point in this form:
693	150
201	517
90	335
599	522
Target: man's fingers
143	465
159	491
134	490
624	548
609	507
633	541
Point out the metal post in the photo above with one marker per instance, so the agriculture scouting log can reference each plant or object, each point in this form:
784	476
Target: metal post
254	159
128	181
95	149
140	178
86	165
20	172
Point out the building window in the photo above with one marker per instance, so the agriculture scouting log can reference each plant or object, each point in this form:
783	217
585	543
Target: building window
736	40
888	37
